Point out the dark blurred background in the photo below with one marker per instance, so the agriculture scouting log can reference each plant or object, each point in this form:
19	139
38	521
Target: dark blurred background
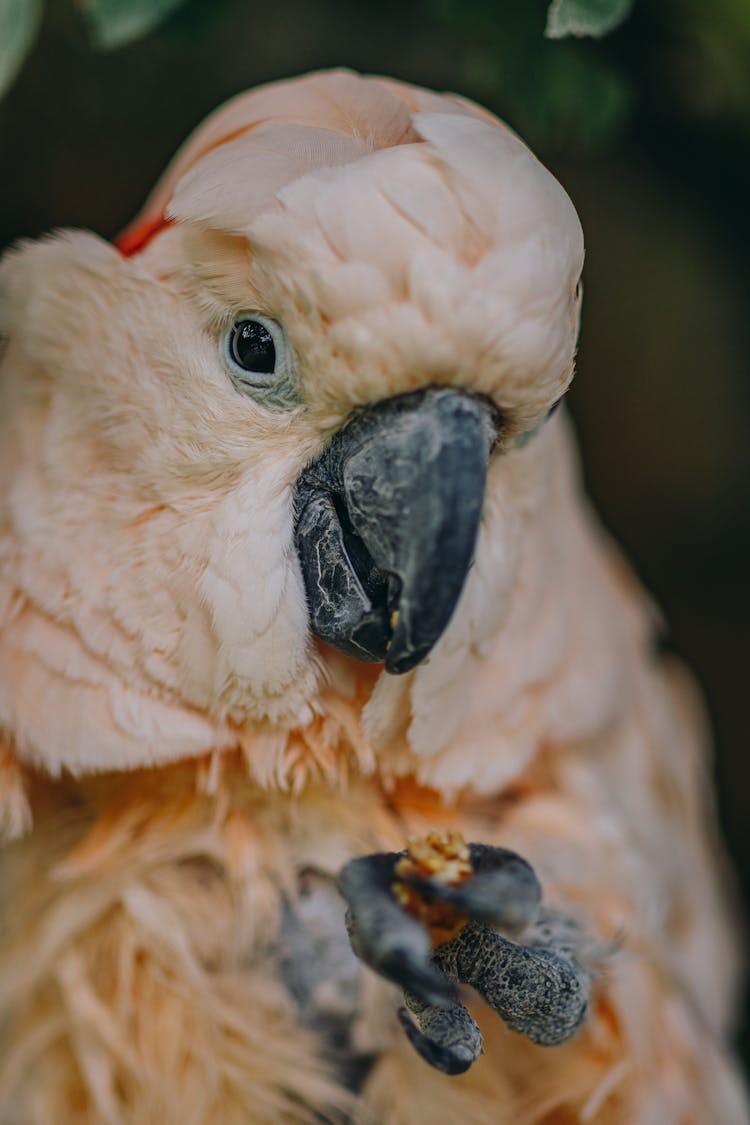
649	131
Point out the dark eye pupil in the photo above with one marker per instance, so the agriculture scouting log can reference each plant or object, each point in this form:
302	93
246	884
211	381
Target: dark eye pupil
253	347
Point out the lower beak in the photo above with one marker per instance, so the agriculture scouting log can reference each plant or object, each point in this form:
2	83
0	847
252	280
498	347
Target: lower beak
387	522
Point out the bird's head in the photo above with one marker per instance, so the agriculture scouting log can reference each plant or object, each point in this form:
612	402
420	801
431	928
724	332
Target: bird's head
278	408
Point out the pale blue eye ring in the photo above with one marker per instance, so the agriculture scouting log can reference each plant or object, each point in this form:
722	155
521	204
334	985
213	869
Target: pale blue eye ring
258	358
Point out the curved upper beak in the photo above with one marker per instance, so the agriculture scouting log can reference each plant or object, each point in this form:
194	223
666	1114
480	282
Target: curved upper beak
387	522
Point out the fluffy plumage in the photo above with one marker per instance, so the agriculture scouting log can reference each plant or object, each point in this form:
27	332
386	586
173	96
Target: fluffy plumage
185	751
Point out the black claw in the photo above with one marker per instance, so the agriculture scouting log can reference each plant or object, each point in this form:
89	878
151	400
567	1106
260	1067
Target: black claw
539	989
384	936
450	1057
369	874
417	974
503	892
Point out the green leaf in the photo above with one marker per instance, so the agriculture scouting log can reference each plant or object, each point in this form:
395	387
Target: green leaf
114	23
19	21
585	17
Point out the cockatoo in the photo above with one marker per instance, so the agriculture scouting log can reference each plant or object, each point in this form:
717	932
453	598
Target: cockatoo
341	777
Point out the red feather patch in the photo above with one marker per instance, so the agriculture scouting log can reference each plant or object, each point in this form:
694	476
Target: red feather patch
138	235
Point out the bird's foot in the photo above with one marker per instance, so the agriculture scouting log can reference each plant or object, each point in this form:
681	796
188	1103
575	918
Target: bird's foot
428	919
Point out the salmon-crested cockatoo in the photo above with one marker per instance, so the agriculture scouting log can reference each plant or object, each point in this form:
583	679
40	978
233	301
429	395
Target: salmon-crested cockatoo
341	777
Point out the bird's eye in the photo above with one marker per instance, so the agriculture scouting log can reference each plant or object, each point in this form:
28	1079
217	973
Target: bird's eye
253	348
256	353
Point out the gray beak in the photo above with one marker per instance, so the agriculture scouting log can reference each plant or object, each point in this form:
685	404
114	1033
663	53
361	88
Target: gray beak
387	522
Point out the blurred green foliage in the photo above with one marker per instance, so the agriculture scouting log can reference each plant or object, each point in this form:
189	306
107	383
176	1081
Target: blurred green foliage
570	83
712	65
560	95
19	21
556	94
585	17
114	23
